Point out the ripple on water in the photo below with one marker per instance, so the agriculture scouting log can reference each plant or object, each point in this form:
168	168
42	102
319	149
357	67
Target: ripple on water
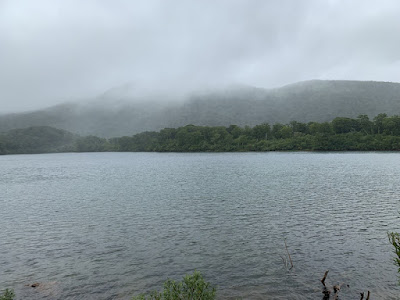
110	225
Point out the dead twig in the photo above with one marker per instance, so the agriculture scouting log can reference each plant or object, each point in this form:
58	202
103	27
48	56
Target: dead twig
291	262
362	296
284	261
323	278
327	291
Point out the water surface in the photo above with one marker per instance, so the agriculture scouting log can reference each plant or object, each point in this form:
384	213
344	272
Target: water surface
111	225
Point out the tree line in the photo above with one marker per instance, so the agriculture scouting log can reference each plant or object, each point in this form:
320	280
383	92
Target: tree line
363	134
382	133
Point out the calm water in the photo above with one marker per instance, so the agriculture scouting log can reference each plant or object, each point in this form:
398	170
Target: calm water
111	225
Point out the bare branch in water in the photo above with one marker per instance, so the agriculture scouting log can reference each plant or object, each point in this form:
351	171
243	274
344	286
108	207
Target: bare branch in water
291	262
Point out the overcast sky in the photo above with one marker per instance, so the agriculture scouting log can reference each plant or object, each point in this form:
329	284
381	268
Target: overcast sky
52	51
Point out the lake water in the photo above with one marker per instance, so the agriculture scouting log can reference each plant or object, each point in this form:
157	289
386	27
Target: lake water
112	225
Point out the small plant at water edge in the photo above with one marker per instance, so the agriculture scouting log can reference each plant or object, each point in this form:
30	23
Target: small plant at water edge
192	287
394	239
7	295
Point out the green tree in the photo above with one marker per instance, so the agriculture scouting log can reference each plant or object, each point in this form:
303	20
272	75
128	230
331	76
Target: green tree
145	141
167	134
315	128
189	138
124	143
276	130
241	142
298	128
260	132
91	144
378	123
286	132
366	125
235	131
219	138
391	125
344	125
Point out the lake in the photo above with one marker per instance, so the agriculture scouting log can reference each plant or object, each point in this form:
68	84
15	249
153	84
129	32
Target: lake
113	225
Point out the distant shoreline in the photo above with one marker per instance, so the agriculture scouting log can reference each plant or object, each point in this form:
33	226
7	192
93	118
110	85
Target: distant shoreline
342	134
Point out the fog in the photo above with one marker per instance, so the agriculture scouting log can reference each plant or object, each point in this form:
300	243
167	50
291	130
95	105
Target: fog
54	51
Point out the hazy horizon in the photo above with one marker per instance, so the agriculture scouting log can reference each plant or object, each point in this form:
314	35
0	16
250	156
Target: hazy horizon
57	51
140	94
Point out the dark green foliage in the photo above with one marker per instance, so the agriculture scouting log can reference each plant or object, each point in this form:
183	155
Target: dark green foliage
260	132
92	144
7	295
298	128
345	125
192	287
342	134
320	129
41	139
365	124
45	139
391	125
378	123
394	239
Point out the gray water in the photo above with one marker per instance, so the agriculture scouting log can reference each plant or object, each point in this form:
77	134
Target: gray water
112	225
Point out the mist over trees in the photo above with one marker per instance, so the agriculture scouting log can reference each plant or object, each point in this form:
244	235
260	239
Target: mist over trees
382	133
41	139
117	114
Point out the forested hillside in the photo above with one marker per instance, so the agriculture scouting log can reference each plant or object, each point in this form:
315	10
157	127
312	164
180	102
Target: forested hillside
41	139
342	134
382	133
116	114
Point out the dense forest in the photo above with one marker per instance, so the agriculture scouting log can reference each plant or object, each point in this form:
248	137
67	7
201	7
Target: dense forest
125	110
382	133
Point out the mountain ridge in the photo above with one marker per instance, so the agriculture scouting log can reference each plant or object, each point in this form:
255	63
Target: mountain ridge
306	101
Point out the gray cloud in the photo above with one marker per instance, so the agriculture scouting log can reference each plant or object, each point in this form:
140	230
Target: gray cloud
51	50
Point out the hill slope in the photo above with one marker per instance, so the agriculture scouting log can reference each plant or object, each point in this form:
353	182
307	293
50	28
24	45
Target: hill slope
41	139
118	114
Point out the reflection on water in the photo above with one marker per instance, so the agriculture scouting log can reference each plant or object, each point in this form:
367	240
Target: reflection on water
111	225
